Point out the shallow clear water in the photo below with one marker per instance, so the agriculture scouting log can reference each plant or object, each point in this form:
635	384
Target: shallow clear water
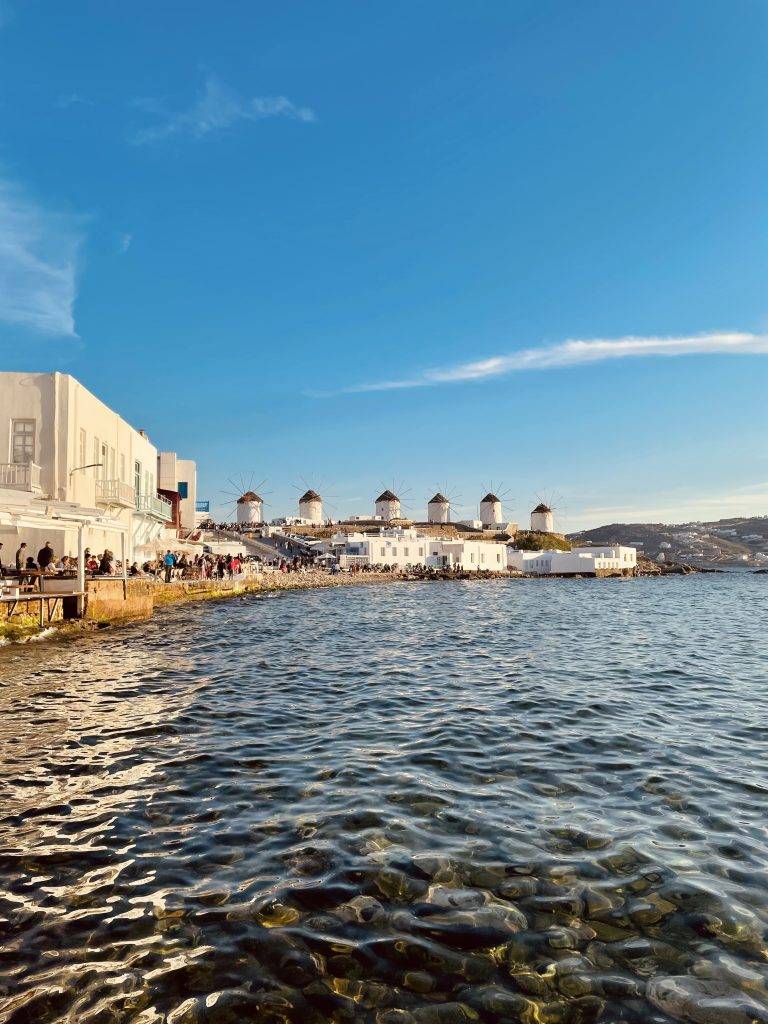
514	800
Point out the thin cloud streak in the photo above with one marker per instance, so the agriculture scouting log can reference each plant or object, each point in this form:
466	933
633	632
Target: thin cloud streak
38	265
573	353
216	108
73	99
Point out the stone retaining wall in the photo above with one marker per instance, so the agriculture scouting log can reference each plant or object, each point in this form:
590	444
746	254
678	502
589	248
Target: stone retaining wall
106	601
111	600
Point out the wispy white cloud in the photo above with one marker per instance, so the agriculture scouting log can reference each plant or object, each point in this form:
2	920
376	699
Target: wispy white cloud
124	242
217	107
574	353
73	99
38	264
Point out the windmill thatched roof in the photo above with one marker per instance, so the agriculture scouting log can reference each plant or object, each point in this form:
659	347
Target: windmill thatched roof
489	497
248	497
439	499
387	496
541	507
310	495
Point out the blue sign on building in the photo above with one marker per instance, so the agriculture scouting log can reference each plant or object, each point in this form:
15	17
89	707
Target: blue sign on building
202	506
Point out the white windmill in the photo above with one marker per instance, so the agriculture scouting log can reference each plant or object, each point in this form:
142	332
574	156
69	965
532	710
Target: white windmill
492	507
442	509
250	509
312	501
547	513
389	506
246	504
311	507
438	509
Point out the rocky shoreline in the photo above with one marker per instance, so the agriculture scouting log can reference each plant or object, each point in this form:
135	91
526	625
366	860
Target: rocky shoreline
645	567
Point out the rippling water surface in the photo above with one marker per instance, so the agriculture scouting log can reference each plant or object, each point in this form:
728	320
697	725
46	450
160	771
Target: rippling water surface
536	801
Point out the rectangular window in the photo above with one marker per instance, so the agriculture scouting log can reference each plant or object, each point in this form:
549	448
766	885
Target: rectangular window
383	551
405	551
104	460
23	441
82	457
421	552
137	478
394	551
96	454
122	467
183	489
111	463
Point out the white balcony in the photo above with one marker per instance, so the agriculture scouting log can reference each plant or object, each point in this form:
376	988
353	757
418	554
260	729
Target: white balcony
20	476
155	506
115	493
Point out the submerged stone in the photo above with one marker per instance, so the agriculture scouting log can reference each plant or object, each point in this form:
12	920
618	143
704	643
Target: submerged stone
704	1001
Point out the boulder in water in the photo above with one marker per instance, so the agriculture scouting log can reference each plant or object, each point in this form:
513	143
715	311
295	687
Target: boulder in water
704	1001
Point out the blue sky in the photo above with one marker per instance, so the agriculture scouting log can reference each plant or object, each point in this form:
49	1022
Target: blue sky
354	244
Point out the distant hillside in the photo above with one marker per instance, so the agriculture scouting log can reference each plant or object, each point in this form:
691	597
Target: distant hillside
726	541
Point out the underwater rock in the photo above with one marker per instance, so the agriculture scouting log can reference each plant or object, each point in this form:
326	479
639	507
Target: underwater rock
569	906
460	899
743	975
444	1013
363	909
704	1001
499	1002
518	887
228	1006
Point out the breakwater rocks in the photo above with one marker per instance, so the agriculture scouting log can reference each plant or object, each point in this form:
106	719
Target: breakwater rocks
645	567
267	582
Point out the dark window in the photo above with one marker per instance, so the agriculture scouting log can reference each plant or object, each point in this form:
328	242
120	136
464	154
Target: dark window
183	489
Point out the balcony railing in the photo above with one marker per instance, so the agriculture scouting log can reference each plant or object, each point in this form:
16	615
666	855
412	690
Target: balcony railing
155	506
115	492
20	476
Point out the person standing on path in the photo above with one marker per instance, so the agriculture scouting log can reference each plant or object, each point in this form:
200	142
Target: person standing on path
45	556
21	555
169	561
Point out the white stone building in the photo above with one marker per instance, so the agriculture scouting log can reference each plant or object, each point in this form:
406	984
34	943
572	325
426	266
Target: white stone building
403	547
583	561
388	506
311	508
61	444
179	477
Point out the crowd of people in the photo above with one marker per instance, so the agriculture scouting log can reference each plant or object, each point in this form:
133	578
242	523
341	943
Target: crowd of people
204	566
25	562
26	567
210	526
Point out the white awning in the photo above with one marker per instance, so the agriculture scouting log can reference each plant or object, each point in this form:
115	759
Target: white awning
19	510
